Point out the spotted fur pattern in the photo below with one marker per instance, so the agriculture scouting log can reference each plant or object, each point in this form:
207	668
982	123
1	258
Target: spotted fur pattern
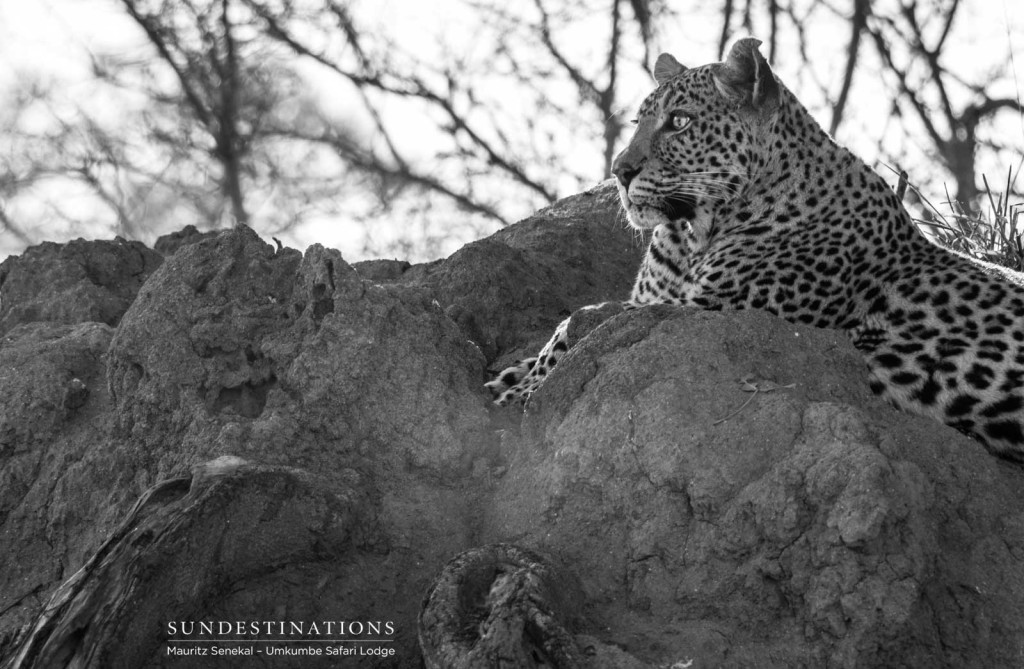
753	206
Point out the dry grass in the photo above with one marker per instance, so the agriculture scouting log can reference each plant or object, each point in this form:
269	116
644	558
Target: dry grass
995	236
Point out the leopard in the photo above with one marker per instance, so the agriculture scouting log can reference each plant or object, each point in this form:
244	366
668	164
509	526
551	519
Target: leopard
751	204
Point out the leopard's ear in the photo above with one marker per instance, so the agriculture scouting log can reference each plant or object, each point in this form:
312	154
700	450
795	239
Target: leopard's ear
667	67
746	77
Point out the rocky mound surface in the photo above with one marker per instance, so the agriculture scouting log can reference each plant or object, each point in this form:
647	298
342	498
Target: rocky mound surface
232	432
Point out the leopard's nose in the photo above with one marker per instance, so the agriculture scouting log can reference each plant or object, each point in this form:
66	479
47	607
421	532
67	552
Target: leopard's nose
625	171
626	175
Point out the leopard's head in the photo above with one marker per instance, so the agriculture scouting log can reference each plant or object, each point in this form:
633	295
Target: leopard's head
695	140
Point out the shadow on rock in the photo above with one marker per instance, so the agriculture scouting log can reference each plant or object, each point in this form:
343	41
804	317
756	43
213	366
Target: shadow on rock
233	542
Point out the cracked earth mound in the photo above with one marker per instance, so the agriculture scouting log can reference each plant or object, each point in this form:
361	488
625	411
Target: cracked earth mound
225	431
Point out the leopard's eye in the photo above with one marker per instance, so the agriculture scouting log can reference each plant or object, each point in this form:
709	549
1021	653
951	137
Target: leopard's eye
677	121
634	121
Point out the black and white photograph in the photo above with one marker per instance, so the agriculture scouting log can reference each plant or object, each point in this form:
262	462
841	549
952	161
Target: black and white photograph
522	334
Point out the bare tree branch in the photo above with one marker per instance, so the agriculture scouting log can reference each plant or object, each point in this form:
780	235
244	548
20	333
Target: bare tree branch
209	80
156	37
930	55
410	87
861	9
726	28
906	90
227	137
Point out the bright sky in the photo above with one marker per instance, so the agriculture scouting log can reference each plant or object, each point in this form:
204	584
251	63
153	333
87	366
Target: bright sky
49	36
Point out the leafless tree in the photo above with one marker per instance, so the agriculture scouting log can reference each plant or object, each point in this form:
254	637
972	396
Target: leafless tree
925	83
43	144
197	140
232	127
527	55
198	41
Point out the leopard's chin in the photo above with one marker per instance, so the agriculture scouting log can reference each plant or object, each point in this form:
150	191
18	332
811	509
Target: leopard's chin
645	218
